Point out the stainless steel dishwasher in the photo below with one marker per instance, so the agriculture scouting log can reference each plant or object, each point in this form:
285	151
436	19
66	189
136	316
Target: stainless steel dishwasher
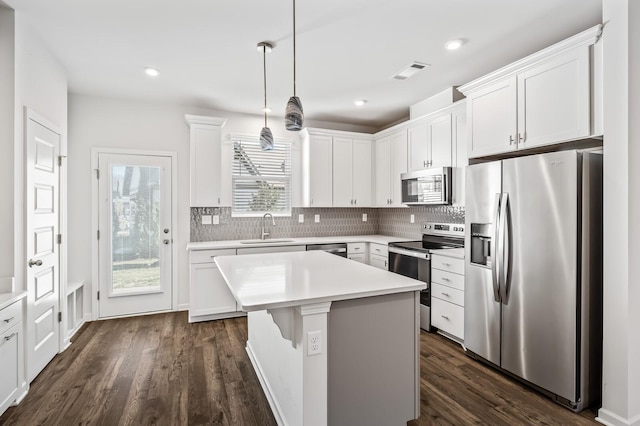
339	249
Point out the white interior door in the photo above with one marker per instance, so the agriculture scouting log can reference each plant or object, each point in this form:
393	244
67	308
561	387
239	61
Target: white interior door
135	235
43	272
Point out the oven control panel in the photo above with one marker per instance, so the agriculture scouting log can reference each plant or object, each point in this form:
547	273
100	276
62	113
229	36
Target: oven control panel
449	229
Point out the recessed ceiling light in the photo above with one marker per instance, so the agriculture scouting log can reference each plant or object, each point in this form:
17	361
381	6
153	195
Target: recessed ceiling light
151	72
453	44
360	102
266	109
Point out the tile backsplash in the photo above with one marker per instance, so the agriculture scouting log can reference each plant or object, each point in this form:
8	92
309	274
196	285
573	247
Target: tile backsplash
333	221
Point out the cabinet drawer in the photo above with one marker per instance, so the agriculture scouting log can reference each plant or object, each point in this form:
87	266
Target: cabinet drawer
10	316
447	278
207	256
354	248
447	294
10	343
447	263
270	249
448	317
379	249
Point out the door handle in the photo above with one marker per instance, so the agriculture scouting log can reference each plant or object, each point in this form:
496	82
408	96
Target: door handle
495	252
505	274
33	263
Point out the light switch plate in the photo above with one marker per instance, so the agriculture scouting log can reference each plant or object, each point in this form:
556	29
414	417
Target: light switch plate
364	217
300	218
216	219
317	218
206	219
413	218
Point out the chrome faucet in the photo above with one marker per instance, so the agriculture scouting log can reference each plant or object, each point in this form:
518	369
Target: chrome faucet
273	223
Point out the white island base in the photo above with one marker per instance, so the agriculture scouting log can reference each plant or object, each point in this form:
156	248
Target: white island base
366	369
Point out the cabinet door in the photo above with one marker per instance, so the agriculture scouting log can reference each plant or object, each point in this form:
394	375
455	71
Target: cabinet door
398	165
459	146
440	141
321	173
205	163
491	118
383	172
9	353
380	262
209	291
553	100
342	172
361	173
418	148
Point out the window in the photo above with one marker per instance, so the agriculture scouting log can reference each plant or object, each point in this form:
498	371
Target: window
261	179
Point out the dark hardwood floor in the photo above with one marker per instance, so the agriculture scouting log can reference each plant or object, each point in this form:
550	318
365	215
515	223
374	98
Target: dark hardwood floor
161	370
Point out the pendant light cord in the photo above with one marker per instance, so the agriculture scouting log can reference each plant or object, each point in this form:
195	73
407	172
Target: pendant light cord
264	73
294	47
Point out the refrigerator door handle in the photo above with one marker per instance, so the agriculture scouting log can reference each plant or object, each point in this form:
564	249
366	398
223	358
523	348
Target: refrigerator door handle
505	245
495	251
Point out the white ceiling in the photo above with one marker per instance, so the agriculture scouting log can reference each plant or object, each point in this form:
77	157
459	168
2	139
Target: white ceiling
346	49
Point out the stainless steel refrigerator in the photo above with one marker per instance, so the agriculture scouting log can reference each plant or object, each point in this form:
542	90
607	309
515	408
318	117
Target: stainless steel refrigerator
533	271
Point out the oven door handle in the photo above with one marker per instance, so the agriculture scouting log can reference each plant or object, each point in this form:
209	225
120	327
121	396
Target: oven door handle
410	253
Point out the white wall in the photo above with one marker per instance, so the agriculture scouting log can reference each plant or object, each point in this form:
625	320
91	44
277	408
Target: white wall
621	370
128	124
7	107
41	85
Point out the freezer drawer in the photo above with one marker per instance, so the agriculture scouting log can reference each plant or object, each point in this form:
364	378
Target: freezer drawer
447	317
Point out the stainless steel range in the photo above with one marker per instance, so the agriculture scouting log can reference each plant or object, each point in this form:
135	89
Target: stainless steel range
412	258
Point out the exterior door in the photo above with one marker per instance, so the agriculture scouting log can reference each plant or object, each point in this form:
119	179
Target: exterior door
135	235
42	250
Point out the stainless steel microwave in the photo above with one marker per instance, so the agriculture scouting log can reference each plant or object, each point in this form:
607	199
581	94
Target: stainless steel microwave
428	186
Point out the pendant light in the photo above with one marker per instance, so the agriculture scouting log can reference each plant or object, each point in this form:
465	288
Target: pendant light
266	137
293	115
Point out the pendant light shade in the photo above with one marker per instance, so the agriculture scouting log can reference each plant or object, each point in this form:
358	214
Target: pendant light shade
266	137
294	115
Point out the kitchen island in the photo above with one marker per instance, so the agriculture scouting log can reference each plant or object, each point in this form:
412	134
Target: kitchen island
332	341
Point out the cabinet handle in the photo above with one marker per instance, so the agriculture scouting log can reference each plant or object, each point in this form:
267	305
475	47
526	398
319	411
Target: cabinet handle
446	294
445	317
445	279
521	137
355	202
385	264
511	140
11	336
446	264
218	200
425	163
8	320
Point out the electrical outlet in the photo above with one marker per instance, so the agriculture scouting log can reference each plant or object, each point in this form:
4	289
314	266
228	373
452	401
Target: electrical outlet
317	218
216	219
364	217
413	218
206	219
314	343
300	218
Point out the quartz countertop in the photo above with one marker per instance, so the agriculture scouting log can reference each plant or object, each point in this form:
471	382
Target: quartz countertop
457	253
7	299
230	244
279	280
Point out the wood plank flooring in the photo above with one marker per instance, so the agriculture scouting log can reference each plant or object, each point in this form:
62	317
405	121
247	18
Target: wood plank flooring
161	370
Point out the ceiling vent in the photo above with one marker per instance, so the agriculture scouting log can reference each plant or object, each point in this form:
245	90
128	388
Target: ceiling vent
407	72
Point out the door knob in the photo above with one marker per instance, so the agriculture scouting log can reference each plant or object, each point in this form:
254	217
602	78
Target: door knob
33	263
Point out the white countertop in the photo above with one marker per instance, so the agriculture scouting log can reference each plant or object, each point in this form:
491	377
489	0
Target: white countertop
7	299
229	244
278	280
458	253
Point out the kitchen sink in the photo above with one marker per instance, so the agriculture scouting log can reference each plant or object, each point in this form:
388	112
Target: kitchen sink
265	241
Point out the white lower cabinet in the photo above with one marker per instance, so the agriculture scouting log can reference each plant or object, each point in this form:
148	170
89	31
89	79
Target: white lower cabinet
447	295
209	296
11	354
357	252
379	256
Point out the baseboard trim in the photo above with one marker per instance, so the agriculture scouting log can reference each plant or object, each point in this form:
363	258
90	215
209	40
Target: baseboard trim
183	307
275	407
612	419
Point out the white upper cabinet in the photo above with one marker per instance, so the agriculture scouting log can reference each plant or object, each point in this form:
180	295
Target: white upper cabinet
391	162
430	141
440	139
418	148
459	148
543	99
208	183
336	168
